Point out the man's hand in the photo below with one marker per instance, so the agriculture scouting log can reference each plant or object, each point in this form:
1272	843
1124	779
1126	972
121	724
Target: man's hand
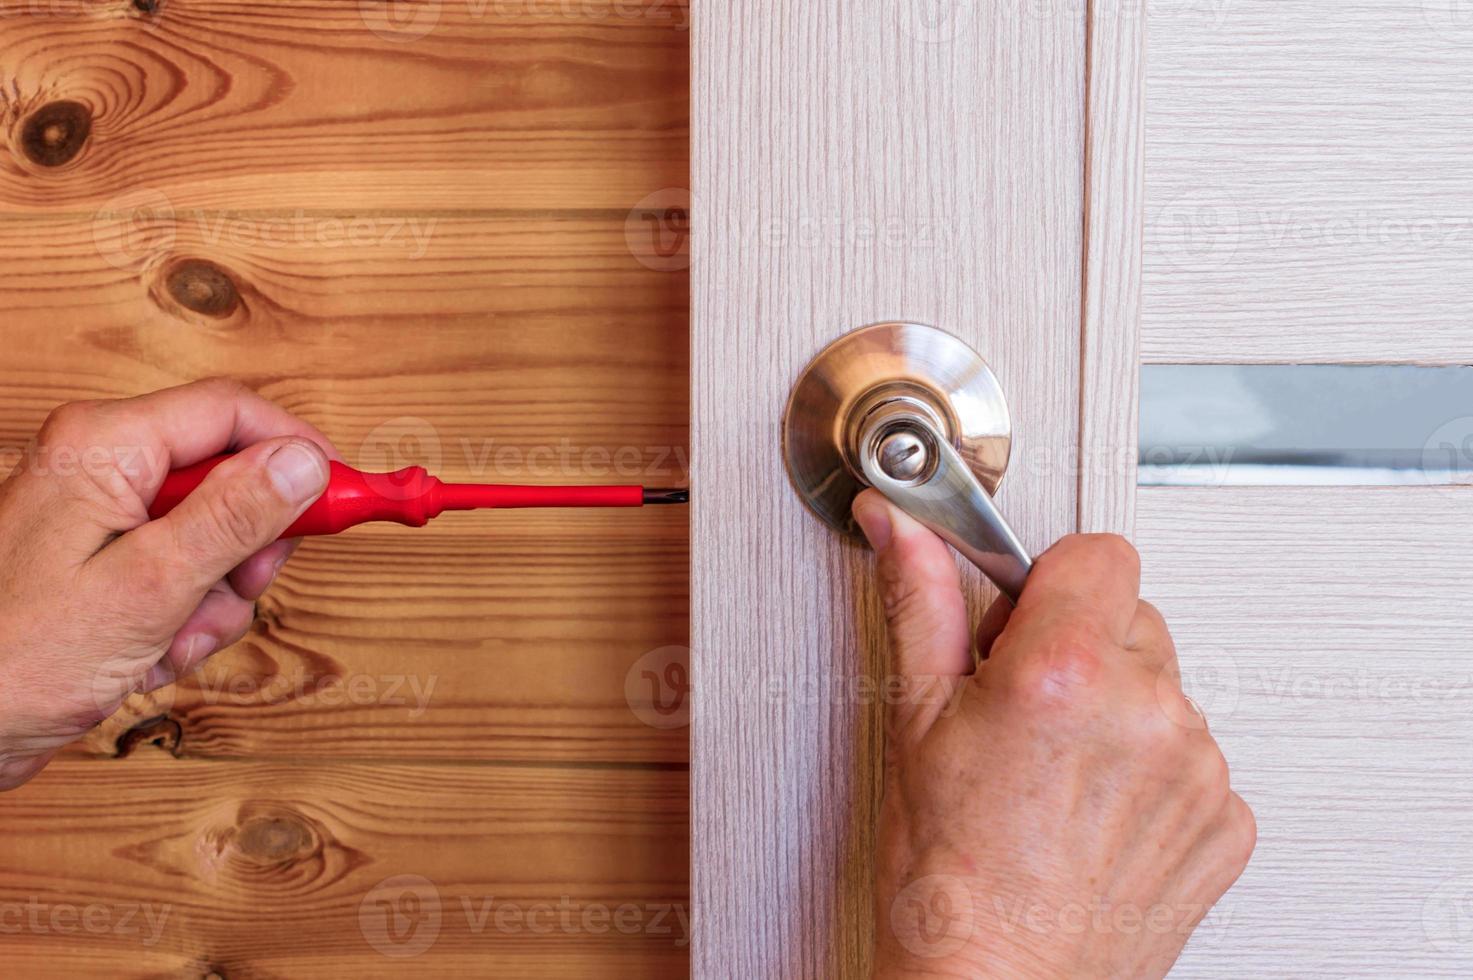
97	600
1062	811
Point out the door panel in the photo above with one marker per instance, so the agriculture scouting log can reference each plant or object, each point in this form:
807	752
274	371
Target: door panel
853	162
1110	335
1309	172
1324	630
1308	182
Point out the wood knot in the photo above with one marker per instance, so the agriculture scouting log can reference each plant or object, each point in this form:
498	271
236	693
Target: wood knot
55	133
273	846
148	6
161	730
202	287
270	839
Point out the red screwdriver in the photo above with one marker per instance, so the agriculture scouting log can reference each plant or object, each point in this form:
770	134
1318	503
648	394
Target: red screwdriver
412	497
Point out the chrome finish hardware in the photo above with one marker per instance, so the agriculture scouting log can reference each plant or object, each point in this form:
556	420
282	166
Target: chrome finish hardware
915	413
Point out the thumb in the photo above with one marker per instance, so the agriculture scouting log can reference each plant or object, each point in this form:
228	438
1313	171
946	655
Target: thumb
243	505
930	641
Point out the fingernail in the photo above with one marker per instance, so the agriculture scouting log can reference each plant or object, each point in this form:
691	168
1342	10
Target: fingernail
200	647
873	517
297	472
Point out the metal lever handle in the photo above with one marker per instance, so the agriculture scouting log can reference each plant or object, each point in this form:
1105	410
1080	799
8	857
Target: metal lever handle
904	458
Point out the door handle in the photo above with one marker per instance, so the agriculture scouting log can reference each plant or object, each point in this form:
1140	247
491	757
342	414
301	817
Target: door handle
906	460
915	413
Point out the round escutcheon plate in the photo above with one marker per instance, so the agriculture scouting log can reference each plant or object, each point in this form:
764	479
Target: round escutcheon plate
933	372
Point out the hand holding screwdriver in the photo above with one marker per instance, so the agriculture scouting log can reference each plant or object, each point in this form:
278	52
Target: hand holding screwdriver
98	599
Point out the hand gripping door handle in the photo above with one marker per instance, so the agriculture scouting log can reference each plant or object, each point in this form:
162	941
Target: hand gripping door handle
917	414
921	473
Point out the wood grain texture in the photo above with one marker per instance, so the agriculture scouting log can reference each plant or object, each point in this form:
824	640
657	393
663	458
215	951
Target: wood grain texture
853	162
1324	631
512	349
277	870
1110	337
428	228
1309	174
485	637
509	347
350	106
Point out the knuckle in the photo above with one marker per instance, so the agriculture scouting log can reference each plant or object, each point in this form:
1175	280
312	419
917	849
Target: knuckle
899	595
1062	671
1116	549
236	517
1110	548
1210	776
1242	832
225	387
1152	731
68	423
1149	612
1149	630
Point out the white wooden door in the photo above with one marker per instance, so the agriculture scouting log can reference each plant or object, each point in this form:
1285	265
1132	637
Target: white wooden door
978	166
857	161
1309	199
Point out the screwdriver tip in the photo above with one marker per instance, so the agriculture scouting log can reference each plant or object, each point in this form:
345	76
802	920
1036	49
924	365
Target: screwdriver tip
667	496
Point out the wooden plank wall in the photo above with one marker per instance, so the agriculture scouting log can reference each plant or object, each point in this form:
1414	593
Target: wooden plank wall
1309	168
445	232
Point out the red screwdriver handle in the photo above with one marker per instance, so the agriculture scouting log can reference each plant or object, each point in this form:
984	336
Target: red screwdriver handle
409	496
